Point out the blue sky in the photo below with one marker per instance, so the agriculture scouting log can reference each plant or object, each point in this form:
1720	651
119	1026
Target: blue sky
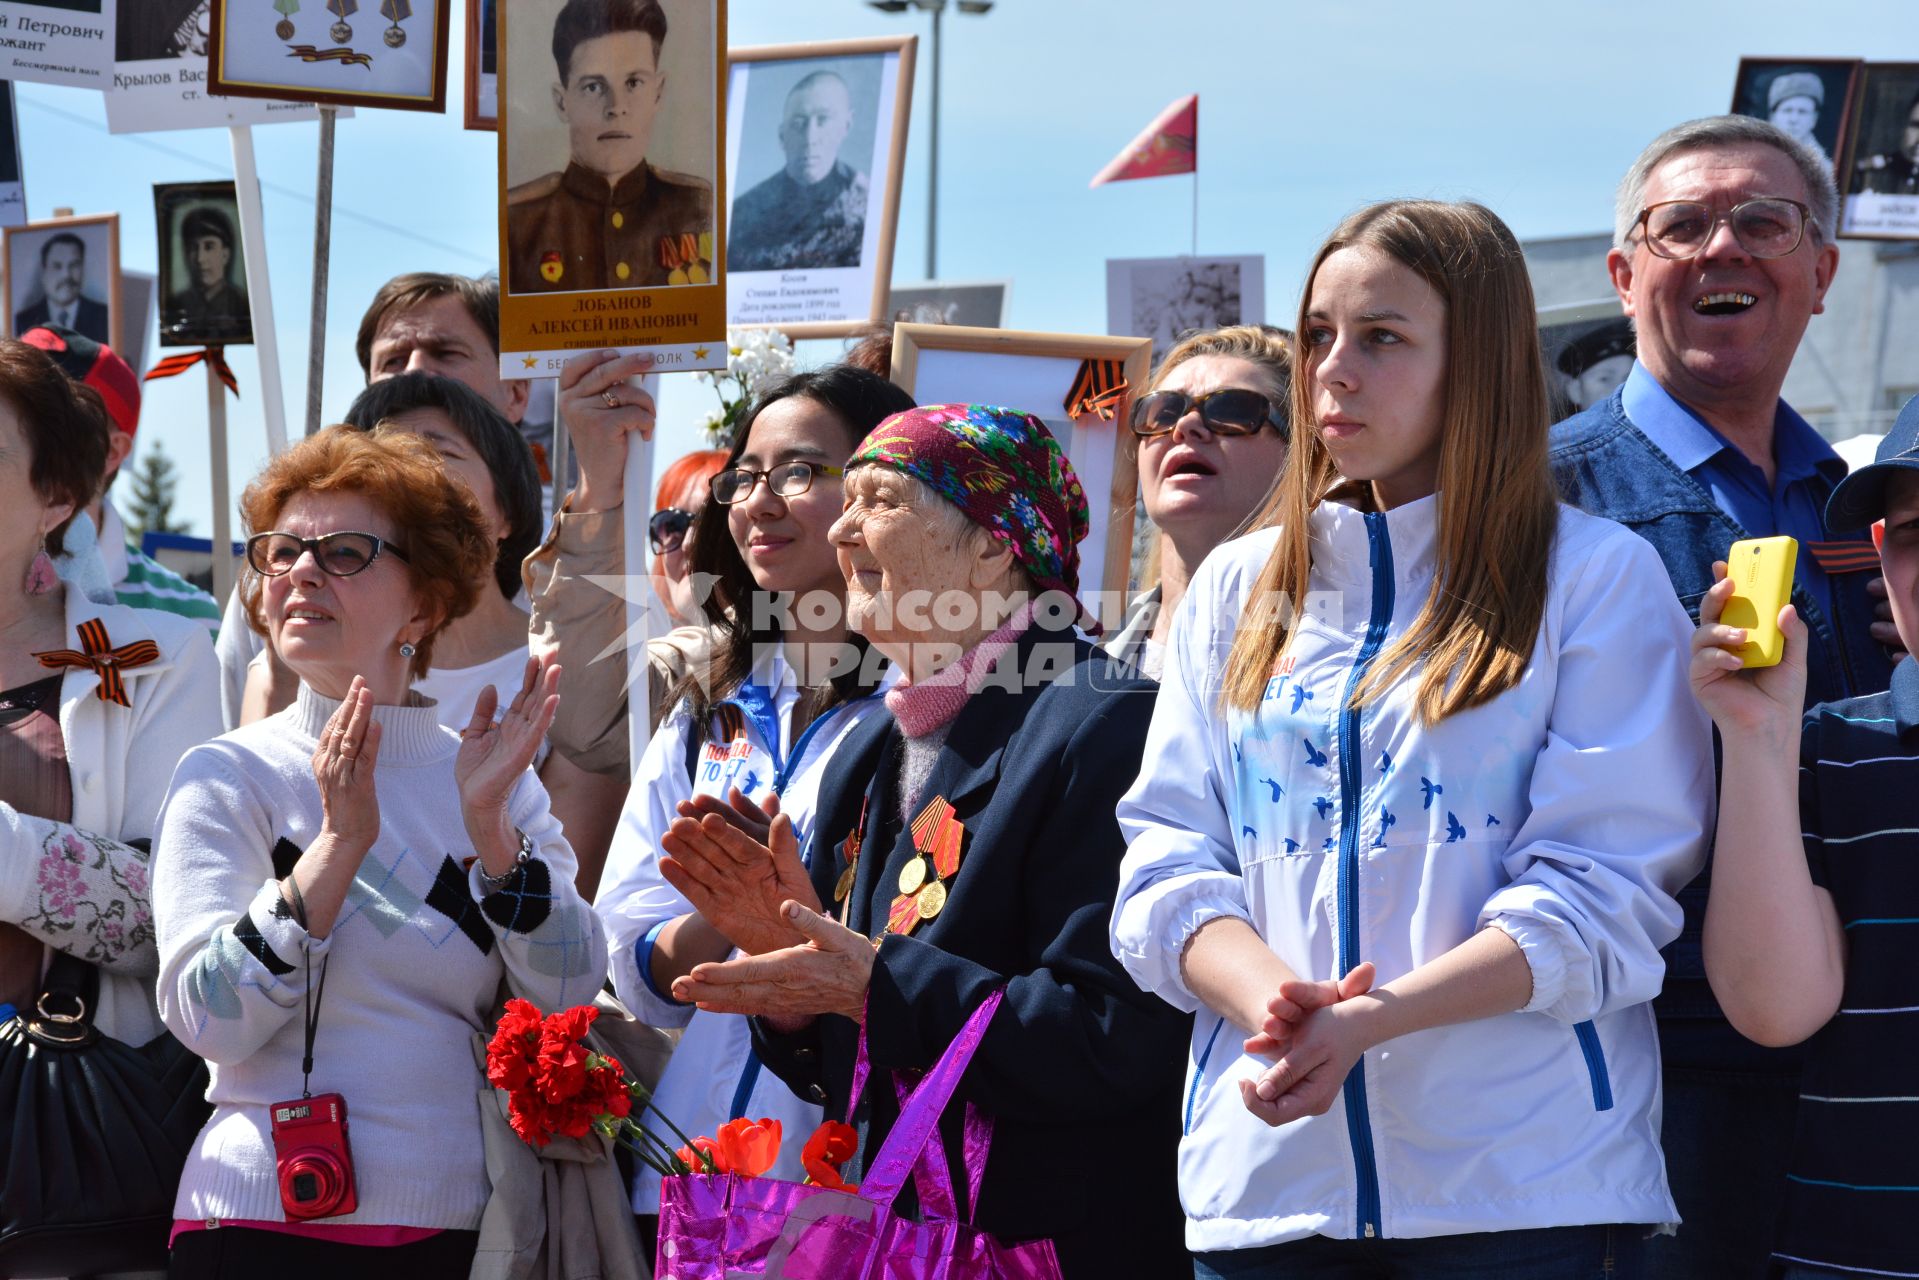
1306	112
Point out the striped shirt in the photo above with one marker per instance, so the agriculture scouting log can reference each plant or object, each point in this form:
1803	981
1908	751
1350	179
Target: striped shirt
142	582
1854	1180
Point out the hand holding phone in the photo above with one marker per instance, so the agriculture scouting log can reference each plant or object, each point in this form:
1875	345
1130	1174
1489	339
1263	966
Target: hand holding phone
1761	570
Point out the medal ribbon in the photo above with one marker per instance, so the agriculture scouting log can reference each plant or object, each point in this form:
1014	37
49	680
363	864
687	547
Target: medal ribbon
286	8
99	654
1844	556
1099	388
308	53
396	10
342	8
214	356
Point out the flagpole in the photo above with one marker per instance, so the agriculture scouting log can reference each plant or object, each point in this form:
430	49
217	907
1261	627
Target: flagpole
1196	211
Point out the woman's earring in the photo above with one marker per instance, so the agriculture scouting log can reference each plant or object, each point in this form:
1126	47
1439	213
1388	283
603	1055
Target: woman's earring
407	650
40	575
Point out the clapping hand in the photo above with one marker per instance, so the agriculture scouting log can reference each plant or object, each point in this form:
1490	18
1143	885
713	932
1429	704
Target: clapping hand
750	818
740	885
1313	1043
343	765
829	971
494	755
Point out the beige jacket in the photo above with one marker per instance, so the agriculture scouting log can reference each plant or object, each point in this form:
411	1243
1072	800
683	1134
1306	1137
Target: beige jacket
579	620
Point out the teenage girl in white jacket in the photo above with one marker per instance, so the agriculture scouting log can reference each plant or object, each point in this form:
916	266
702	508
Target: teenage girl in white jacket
1417	843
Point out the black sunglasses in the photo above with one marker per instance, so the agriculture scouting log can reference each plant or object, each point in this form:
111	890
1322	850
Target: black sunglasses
1230	411
340	555
666	531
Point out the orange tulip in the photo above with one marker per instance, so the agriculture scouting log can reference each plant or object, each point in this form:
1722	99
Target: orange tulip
831	1146
748	1147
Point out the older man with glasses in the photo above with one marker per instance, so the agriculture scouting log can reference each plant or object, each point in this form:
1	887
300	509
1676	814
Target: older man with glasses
1722	254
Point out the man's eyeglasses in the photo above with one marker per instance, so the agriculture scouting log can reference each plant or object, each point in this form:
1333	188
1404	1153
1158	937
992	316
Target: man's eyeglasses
1230	411
666	531
1769	227
788	480
340	555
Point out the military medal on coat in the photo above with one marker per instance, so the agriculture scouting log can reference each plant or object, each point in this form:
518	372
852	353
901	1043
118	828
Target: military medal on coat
938	837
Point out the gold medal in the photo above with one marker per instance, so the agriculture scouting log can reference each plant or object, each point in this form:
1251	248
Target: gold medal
845	886
913	875
931	900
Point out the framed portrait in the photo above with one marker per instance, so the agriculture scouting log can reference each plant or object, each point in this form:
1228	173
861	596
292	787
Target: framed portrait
1168	298
383	53
816	140
1809	98
203	270
1588	349
612	120
482	65
978	304
1879	179
160	72
59	41
13	185
1045	374
65	271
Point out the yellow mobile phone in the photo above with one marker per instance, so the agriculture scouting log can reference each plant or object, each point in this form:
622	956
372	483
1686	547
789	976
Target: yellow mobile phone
1761	570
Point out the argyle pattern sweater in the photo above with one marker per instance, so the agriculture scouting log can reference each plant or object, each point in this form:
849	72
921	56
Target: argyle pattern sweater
412	966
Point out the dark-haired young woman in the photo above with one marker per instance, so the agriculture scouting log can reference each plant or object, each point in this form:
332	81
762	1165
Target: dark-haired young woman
752	732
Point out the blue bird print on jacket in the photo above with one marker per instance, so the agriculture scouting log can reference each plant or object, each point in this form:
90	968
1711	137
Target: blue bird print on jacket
1314	756
1386	819
1235	753
1455	830
748	783
1331	843
1249	833
1430	789
1278	790
1301	696
1292	845
1324	806
1385	763
1491	821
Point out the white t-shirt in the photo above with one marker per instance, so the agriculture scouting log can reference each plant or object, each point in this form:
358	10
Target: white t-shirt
456	689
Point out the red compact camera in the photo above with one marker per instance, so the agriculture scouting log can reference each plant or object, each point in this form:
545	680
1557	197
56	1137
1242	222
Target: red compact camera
310	1149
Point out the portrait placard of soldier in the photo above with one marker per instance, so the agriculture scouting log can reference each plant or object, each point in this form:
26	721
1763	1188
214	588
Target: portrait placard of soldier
65	271
1880	178
816	135
610	132
59	41
13	186
482	65
203	294
160	72
1809	98
1167	298
1588	349
352	53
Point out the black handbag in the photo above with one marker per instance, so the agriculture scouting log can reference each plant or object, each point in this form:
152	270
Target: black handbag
93	1135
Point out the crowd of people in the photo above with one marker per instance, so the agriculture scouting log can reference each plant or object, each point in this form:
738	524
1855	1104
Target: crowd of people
1414	883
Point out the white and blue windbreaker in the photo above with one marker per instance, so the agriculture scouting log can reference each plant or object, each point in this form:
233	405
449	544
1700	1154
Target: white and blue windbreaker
1567	812
713	1075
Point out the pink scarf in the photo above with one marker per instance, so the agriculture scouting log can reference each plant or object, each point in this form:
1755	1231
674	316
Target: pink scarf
923	708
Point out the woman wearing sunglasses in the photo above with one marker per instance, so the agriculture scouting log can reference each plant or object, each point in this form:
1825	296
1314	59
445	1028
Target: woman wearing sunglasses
1422	780
683	490
752	731
1212	442
343	886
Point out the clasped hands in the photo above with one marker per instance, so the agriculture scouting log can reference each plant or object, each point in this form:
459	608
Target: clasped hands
1314	1033
739	864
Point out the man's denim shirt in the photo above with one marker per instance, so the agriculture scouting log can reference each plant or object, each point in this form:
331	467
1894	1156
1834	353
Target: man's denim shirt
1604	464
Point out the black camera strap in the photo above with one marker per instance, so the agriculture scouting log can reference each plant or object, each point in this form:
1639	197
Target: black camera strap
310	998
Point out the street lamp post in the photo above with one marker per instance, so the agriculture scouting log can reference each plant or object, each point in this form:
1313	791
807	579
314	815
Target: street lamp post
937	8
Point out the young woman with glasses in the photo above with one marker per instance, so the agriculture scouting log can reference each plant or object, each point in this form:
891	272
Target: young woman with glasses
752	730
1422	780
343	885
1212	439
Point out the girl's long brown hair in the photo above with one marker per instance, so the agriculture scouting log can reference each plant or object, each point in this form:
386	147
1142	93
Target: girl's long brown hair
1498	510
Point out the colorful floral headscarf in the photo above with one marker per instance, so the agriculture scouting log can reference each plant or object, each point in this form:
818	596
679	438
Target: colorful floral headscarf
1004	469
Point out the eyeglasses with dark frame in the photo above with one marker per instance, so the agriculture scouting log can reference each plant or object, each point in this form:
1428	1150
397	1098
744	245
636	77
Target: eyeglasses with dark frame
666	530
787	480
1229	411
1767	227
339	555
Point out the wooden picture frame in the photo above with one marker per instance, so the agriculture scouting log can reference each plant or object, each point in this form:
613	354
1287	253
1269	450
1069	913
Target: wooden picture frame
1884	89
253	67
26	295
1035	372
830	299
1839	82
481	83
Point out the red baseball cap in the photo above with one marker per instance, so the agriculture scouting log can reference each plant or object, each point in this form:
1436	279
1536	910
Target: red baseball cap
96	364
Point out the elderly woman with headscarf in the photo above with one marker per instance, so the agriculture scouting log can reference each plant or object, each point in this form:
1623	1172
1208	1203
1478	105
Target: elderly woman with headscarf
965	844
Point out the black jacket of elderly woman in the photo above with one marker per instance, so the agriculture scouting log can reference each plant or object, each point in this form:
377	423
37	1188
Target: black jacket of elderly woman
1079	1069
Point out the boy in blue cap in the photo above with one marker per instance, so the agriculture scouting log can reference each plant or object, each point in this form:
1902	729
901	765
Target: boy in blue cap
1812	928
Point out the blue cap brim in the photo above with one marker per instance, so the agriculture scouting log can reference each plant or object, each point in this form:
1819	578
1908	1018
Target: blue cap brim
1860	498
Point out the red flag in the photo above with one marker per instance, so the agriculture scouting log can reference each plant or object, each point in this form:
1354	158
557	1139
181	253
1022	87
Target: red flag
1168	145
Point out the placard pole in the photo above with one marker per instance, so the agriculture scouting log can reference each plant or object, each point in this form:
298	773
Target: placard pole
322	240
253	243
637	506
222	499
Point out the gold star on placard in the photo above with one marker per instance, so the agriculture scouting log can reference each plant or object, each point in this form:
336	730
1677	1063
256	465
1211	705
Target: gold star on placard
531	361
699	353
